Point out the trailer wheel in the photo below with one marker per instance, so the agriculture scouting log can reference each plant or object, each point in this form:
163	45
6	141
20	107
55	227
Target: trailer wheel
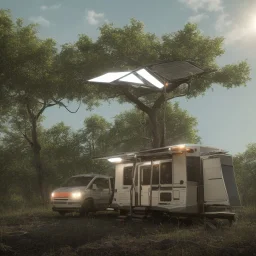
62	213
86	208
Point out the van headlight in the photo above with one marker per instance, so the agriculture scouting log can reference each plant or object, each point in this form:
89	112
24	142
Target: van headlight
52	195
76	195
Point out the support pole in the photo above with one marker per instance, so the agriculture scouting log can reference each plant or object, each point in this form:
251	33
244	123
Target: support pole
132	186
151	177
164	117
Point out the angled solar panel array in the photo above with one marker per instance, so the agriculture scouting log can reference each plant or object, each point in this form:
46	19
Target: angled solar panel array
152	76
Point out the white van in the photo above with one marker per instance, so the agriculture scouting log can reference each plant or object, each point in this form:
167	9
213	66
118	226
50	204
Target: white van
83	193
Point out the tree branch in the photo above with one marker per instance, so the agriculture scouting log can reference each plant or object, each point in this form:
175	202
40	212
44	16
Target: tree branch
57	102
135	100
178	96
27	138
31	114
44	107
158	102
114	96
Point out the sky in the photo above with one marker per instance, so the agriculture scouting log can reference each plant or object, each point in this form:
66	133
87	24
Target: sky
226	118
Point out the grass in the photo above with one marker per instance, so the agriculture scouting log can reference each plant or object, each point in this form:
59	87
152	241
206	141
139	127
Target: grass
142	239
24	216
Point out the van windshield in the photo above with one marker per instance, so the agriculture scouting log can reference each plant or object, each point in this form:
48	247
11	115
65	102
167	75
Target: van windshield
77	182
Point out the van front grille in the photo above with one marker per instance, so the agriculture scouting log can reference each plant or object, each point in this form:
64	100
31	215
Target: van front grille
60	200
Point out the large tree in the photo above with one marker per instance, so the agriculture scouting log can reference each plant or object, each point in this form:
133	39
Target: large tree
130	47
33	77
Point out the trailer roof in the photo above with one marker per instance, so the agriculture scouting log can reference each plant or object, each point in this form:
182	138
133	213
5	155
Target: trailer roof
163	152
92	175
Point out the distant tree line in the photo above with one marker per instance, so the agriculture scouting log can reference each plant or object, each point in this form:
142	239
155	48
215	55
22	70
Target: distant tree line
66	152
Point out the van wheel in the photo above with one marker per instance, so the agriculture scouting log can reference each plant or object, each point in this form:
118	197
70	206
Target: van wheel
62	213
86	208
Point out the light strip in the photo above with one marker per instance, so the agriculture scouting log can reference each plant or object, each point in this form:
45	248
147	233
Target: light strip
109	77
146	75
115	160
131	79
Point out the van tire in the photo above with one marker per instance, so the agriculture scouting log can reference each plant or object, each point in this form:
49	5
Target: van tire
86	207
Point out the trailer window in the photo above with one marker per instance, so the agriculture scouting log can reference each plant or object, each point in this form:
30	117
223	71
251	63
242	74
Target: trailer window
166	173
146	173
127	179
193	168
155	177
112	183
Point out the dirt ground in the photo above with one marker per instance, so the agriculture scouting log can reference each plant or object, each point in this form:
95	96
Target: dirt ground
48	234
36	235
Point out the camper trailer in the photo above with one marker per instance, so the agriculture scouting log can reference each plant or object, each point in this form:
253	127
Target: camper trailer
179	180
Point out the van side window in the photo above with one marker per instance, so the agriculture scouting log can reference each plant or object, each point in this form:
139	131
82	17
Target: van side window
166	173
193	168
101	183
127	178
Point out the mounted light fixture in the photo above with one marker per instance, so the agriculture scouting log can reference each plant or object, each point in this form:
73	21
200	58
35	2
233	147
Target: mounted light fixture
155	77
115	160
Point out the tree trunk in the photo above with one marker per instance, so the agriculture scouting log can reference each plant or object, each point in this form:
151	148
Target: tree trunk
36	148
156	142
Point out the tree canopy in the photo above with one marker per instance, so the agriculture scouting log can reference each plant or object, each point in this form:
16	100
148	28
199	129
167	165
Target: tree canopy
130	47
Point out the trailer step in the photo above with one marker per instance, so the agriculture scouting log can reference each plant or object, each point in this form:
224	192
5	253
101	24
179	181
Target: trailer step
140	208
121	217
138	216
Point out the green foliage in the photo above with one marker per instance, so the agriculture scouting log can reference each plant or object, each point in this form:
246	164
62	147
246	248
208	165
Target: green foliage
18	183
95	134
131	130
245	170
128	46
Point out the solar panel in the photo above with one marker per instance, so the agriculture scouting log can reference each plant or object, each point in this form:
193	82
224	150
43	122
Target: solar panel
176	70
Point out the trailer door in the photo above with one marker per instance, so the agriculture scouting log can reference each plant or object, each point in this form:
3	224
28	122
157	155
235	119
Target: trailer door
214	186
145	175
124	184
